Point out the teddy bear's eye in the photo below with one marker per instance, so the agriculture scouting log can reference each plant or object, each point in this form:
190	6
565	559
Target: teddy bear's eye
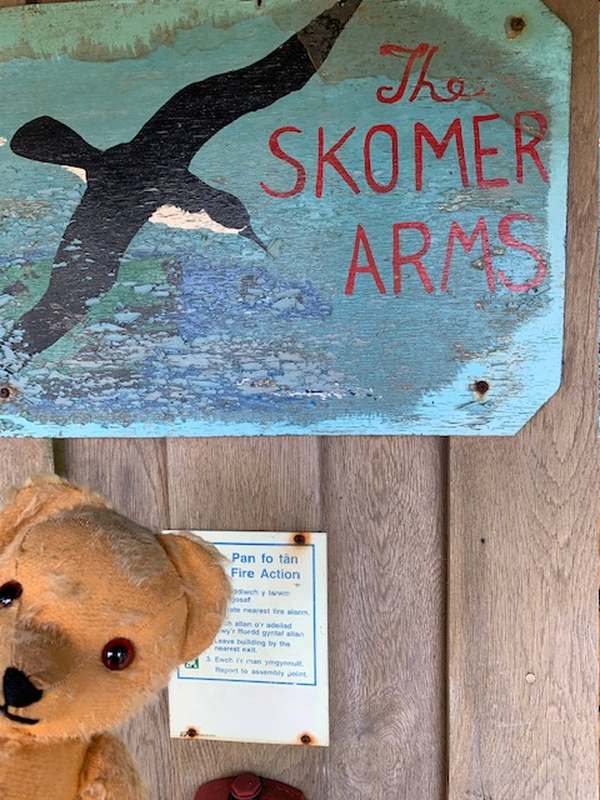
118	654
9	592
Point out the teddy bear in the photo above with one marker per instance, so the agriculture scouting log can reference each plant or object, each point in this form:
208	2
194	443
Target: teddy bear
95	613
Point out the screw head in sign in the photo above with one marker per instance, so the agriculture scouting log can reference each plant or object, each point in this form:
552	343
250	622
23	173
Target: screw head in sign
480	389
515	25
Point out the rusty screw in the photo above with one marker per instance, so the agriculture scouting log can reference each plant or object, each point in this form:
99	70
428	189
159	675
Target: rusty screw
191	733
481	387
299	538
305	739
5	393
515	26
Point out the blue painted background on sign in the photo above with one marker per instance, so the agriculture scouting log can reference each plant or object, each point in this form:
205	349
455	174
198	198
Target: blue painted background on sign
204	333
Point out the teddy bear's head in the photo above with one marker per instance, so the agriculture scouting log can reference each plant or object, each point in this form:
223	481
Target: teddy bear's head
95	611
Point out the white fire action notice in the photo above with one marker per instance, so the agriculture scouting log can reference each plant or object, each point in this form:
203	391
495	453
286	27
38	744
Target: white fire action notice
265	678
270	635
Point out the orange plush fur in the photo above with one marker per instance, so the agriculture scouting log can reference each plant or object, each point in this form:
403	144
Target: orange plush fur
88	576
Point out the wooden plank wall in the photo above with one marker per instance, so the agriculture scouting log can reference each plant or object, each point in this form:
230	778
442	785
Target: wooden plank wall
382	500
523	544
503	625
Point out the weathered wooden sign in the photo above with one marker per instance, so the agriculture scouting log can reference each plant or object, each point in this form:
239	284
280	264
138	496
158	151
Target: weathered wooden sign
302	217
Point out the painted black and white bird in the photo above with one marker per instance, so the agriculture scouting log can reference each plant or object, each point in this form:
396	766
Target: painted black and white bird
148	178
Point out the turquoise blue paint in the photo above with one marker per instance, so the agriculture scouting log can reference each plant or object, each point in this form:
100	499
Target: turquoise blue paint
221	339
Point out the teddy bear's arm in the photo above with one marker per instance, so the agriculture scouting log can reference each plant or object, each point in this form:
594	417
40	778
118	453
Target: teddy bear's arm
109	773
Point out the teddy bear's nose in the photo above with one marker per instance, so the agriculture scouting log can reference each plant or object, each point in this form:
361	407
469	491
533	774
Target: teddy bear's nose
19	691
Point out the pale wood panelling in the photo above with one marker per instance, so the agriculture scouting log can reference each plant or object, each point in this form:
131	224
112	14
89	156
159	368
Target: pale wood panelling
21	459
383	504
382	501
132	475
523	542
247	484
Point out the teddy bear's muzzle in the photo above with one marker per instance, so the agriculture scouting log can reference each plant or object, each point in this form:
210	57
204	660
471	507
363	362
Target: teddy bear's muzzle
34	661
19	692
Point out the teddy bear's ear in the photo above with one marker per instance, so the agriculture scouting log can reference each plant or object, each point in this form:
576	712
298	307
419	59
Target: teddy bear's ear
39	499
206	585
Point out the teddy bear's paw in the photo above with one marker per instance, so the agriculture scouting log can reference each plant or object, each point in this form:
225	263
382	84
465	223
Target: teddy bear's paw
109	773
97	791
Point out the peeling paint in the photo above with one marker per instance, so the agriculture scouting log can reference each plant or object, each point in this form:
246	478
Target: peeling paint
87	31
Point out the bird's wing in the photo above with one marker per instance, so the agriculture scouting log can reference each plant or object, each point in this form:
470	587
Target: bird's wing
196	113
85	266
46	139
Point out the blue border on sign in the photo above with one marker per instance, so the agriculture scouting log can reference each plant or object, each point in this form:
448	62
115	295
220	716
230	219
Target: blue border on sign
314	625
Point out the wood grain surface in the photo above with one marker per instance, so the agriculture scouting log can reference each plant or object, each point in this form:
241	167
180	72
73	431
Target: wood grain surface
131	473
384	497
247	484
383	505
22	459
381	497
523	542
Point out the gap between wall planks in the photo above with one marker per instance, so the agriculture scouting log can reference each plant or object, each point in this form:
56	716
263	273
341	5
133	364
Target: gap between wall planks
523	543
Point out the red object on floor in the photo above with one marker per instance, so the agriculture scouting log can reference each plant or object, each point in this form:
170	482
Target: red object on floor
247	787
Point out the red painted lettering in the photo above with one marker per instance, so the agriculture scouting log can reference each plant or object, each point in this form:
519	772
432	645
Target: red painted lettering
398	260
481	152
387	94
508	239
454	86
389	130
439	148
423	82
468	242
280	153
331	158
371	267
530	148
